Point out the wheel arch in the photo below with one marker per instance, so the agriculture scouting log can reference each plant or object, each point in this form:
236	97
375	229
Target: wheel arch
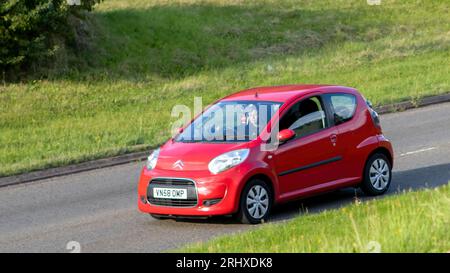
381	150
266	179
384	151
261	176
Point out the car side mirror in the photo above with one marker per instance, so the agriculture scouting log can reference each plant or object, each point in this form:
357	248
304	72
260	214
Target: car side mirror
180	130
285	135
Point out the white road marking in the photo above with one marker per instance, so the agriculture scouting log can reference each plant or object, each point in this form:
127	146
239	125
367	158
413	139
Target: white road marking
418	151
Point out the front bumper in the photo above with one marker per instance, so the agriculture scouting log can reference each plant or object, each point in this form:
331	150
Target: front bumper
224	186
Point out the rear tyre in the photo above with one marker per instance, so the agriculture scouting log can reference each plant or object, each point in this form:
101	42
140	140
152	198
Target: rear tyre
377	175
255	203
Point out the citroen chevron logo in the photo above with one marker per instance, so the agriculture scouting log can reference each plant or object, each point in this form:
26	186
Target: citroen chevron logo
178	165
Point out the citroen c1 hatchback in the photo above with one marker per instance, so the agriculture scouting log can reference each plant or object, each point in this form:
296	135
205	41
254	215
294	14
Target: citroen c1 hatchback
265	146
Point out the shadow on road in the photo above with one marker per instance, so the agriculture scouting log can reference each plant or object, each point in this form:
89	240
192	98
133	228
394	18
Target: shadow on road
427	177
415	179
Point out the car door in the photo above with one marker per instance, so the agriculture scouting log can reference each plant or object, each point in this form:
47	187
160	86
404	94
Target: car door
351	131
311	158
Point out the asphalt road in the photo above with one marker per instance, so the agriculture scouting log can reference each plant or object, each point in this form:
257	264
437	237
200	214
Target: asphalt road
98	208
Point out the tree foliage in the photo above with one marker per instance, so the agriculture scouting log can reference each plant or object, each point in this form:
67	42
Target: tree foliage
28	29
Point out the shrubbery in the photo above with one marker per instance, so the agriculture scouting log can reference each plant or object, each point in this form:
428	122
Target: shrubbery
29	30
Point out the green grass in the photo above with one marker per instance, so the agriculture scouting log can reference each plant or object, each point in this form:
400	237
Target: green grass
411	222
147	56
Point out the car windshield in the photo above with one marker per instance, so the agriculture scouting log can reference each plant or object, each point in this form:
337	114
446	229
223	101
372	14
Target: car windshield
230	121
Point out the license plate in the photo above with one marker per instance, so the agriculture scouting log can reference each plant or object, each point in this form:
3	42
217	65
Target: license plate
169	193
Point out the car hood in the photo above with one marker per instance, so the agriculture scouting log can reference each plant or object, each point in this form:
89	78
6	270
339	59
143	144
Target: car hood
180	156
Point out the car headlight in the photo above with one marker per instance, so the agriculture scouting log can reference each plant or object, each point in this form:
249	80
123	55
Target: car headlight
152	159
227	160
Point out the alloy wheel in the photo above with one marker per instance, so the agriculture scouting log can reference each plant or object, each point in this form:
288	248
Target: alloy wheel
379	174
257	202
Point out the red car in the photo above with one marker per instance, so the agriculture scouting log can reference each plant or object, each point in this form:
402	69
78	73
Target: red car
264	146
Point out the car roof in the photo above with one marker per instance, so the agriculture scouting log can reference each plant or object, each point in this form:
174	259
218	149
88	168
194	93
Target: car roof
284	93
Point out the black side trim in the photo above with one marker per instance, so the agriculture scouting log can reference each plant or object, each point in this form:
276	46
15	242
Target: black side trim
313	165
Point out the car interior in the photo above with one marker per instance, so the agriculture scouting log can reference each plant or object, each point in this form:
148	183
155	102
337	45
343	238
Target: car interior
305	117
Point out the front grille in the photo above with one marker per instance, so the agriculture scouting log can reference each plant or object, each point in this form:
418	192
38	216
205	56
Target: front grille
177	183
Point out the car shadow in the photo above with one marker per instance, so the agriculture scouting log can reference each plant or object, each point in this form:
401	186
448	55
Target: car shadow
415	179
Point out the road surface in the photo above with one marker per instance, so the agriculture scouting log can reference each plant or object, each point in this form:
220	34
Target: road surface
98	208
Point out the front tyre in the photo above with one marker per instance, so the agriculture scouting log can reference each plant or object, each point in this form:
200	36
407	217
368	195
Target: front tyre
255	203
377	175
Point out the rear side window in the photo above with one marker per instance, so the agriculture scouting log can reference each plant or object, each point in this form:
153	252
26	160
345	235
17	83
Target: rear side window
343	106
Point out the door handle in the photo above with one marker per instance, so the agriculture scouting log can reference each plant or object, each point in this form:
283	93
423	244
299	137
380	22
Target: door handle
333	139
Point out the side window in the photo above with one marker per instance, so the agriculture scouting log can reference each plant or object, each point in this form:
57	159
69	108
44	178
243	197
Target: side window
305	117
343	106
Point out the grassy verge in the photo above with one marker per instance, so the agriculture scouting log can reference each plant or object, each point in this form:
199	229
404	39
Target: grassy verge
152	55
411	222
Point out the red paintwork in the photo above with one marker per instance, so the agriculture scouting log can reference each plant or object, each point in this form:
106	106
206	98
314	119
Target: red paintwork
355	141
285	135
